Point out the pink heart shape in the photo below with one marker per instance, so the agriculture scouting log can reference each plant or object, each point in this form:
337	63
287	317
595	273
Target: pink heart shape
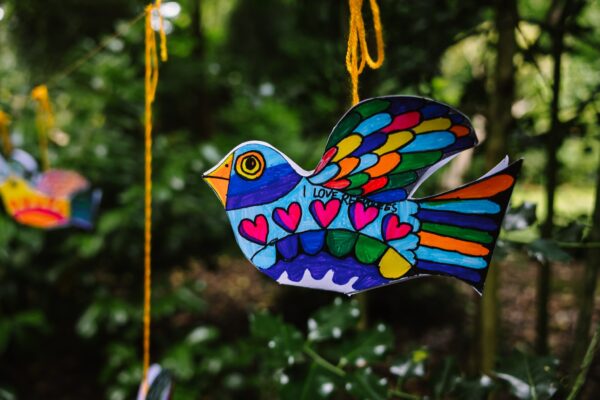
288	219
255	231
324	214
361	216
392	229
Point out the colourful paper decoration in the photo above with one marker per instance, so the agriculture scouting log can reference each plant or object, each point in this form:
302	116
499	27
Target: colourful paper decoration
160	384
352	223
47	200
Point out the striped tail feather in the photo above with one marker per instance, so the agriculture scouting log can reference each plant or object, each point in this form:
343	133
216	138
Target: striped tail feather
84	206
459	228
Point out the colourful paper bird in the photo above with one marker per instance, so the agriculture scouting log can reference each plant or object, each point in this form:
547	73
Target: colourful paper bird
160	384
352	223
52	199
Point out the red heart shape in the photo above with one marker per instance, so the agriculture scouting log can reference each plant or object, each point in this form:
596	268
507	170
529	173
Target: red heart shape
361	216
288	219
392	229
324	214
255	231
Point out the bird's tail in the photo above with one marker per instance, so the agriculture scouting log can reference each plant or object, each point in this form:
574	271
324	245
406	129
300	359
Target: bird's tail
83	208
459	228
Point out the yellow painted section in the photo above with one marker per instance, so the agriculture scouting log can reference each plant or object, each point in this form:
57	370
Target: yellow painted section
394	142
347	146
393	265
31	207
432	125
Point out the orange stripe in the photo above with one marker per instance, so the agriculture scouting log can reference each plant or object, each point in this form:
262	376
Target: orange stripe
385	164
347	165
478	190
447	243
459	130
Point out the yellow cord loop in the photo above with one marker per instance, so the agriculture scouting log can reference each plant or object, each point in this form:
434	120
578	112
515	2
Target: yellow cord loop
6	142
151	82
357	54
44	121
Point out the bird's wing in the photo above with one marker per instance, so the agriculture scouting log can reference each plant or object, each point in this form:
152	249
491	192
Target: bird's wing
61	183
384	147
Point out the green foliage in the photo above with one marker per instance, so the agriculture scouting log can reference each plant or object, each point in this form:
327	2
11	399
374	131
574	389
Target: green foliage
70	301
528	377
335	358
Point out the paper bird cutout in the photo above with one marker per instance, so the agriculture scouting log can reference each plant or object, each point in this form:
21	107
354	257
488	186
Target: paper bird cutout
160	384
352	223
52	199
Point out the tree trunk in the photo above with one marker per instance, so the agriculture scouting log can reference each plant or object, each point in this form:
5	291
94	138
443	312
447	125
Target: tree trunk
557	18
542	298
590	279
501	121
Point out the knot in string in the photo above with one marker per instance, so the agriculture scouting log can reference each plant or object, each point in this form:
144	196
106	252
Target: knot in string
44	121
357	53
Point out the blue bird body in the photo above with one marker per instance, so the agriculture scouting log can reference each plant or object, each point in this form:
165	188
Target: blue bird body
352	223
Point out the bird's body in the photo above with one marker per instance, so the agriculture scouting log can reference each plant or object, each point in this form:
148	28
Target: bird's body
352	225
294	238
52	199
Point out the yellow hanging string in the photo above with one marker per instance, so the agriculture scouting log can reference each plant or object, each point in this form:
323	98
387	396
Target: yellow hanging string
357	54
6	142
44	120
151	81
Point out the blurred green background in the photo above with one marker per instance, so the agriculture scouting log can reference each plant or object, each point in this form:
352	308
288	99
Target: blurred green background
527	72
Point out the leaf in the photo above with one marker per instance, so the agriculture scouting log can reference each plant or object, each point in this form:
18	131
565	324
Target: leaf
448	382
180	360
90	246
332	321
472	389
573	232
87	326
283	342
319	384
202	334
520	217
529	377
367	346
503	249
547	250
188	300
5	394
411	366
364	384
444	380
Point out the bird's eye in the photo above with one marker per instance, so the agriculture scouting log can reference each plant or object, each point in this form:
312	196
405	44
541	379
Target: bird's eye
250	165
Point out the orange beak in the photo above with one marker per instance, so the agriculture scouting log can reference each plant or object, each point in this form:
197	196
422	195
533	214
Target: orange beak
218	178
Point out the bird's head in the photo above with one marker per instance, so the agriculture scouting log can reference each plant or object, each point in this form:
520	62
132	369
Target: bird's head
253	173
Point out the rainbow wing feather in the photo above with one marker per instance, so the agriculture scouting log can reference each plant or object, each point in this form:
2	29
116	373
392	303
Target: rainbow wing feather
61	183
384	147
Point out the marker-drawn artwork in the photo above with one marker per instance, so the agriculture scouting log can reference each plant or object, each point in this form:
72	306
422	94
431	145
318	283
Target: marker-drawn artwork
46	200
353	224
160	384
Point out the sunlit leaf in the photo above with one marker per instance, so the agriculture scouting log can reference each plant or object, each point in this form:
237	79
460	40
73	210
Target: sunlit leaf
529	377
